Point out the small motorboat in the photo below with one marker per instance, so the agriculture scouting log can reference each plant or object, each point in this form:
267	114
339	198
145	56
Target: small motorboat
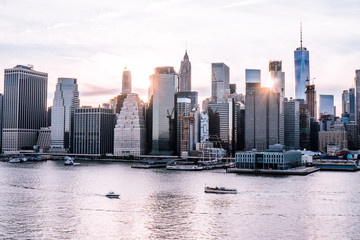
221	190
14	160
112	195
69	161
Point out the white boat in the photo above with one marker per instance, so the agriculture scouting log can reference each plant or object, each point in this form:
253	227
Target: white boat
221	190
112	195
14	160
184	167
69	161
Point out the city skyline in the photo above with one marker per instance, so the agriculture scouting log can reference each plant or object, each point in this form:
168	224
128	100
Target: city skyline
95	45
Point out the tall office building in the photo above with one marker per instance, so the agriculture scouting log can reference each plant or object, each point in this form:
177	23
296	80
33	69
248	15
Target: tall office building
291	124
261	113
66	100
348	103
302	69
220	77
183	109
278	86
163	89
222	125
126	82
93	130
25	93
185	74
325	105
311	99
357	96
130	129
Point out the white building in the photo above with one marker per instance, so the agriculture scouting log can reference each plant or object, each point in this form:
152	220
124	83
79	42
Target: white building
130	129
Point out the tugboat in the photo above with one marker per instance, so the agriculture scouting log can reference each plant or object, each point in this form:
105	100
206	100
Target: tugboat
111	194
221	190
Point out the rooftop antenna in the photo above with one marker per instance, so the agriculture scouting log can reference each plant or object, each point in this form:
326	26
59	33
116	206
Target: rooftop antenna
301	35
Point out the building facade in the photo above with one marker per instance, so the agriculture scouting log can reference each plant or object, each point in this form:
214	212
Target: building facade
66	100
185	75
162	100
292	124
357	96
130	128
332	137
24	109
220	80
126	82
325	104
302	69
93	131
261	113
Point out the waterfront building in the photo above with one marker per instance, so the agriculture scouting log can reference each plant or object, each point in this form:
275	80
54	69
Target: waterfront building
204	127
24	109
220	80
352	136
357	96
222	125
273	158
44	139
185	74
325	105
162	101
93	131
183	109
302	69
337	137
261	113
311	99
126	82
66	100
130	128
292	124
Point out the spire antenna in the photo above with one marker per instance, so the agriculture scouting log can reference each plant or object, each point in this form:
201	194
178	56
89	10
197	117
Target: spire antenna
301	35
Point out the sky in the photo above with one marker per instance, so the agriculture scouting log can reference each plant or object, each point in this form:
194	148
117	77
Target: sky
94	41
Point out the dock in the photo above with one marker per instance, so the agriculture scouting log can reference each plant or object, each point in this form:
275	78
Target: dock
301	171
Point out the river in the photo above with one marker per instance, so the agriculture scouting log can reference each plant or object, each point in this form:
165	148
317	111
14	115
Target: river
48	200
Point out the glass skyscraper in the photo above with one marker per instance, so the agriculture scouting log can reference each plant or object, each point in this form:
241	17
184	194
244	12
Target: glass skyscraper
220	77
162	94
66	100
302	70
325	105
25	93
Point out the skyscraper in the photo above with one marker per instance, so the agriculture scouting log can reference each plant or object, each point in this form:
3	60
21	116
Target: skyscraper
325	105
25	93
311	99
66	100
163	88
220	77
130	130
93	130
126	82
278	86
183	109
291	124
302	69
185	75
261	113
357	96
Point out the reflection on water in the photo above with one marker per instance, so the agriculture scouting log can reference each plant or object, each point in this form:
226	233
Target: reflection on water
51	201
